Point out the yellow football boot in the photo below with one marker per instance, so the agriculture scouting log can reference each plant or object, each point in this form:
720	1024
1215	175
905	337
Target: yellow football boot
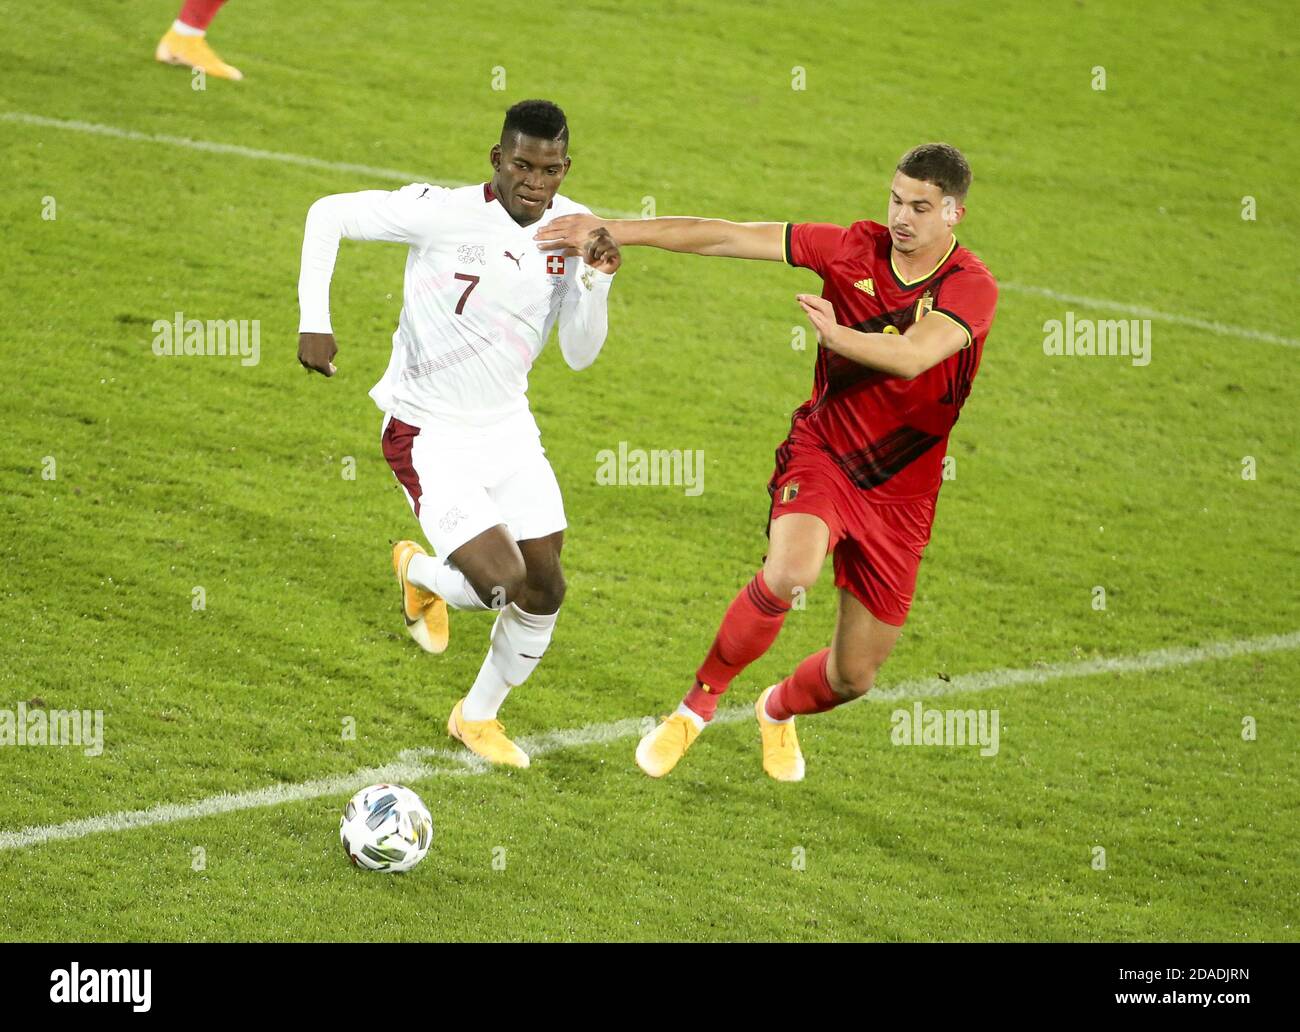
658	752
485	738
194	52
424	612
781	756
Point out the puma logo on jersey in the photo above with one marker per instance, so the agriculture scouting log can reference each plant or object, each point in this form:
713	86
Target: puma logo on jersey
866	286
513	259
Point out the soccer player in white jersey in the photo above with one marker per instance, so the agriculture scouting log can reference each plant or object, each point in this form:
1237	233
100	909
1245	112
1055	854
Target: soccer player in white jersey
479	303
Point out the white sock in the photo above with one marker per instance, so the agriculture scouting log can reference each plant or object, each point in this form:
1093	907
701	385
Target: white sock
519	640
692	716
439	576
181	29
488	693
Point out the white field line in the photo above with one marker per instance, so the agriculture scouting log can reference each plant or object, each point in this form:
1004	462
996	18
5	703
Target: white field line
411	765
1143	312
233	149
1143	662
396	175
253	153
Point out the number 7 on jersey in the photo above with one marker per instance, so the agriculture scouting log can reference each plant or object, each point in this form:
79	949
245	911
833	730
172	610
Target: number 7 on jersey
473	282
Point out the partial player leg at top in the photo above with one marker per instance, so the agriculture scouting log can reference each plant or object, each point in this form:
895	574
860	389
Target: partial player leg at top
185	43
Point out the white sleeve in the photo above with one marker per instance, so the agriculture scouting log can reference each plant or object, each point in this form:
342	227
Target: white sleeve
405	216
584	316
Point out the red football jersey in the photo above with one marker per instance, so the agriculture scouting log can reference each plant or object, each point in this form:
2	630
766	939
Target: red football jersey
889	435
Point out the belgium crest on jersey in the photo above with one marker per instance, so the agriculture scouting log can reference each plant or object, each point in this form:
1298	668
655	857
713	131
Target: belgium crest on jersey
923	306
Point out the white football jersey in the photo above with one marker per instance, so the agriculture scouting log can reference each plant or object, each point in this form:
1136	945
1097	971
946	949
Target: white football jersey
479	301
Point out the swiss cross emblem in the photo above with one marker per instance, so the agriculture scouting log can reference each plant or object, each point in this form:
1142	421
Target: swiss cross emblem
555	264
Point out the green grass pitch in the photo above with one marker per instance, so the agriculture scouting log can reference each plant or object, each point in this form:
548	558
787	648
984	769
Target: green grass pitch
130	480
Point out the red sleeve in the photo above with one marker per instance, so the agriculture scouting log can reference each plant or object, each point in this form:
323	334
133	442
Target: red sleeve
968	298
812	245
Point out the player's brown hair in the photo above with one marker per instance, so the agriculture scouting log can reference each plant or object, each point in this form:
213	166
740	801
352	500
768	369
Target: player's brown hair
941	164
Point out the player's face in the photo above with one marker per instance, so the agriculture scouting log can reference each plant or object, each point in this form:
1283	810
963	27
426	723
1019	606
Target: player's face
528	173
920	216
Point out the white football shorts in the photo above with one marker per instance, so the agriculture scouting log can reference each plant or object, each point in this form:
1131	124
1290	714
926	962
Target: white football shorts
459	487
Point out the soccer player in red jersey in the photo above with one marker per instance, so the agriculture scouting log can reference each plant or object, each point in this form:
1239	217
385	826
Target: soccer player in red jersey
901	322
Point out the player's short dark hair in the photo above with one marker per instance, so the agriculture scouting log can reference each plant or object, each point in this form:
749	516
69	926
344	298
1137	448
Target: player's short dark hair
941	164
538	118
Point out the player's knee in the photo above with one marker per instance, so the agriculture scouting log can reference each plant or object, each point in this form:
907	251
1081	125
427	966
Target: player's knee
785	577
543	594
501	583
852	682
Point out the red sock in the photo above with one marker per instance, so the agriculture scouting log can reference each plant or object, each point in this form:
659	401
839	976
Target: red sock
807	690
752	623
198	14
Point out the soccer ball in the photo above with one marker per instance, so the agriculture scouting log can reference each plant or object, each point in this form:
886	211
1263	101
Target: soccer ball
386	828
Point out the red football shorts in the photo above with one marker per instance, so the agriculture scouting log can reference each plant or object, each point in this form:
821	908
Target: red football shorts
877	545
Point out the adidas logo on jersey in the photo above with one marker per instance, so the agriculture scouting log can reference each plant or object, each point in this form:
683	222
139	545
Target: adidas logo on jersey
866	286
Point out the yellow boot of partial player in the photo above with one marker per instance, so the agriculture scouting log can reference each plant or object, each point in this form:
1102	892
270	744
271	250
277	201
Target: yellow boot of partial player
194	52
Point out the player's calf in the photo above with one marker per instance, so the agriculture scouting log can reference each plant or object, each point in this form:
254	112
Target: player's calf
524	625
544	586
493	566
851	681
499	585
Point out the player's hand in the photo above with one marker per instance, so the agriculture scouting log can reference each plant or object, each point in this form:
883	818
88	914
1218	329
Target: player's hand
600	251
315	351
568	233
821	313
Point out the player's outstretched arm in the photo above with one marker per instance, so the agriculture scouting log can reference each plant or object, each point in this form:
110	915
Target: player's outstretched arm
716	237
584	312
925	344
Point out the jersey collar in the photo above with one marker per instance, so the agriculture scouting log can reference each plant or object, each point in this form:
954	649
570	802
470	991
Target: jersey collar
908	284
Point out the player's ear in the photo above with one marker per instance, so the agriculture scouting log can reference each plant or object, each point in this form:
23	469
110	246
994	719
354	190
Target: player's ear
494	156
953	211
